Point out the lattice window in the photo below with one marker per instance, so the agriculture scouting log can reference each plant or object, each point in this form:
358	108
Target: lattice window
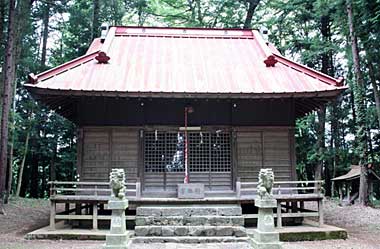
207	151
221	152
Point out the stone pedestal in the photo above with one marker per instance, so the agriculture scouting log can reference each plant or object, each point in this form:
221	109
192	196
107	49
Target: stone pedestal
265	236
117	238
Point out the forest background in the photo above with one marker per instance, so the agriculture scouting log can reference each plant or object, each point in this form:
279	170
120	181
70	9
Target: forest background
338	37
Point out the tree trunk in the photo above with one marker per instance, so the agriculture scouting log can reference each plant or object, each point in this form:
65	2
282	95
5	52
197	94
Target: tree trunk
45	32
252	4
376	94
95	19
22	165
192	10
11	149
327	68
8	78
359	91
336	141
320	142
199	13
53	176
34	179
2	18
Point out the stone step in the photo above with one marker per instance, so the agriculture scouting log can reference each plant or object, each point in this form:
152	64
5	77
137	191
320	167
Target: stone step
190	239
196	220
189	210
199	231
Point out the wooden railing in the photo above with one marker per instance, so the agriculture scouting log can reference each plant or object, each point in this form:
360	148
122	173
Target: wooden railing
290	196
91	189
287	188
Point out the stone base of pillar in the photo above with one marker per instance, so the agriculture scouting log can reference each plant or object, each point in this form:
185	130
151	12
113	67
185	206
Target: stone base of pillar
117	241
118	237
265	240
265	236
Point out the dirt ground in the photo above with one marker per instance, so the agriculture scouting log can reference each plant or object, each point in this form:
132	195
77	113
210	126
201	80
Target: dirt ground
24	215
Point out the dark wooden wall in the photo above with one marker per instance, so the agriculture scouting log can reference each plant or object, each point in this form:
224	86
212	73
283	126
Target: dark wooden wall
138	112
265	148
102	148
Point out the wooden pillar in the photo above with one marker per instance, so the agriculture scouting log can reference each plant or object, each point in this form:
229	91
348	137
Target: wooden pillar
340	193
138	188
279	215
238	187
52	214
302	206
294	206
67	211
320	212
67	208
95	216
78	211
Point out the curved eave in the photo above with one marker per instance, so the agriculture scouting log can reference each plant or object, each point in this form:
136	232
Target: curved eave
315	94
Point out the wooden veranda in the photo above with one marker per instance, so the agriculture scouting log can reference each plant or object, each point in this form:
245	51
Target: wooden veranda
87	200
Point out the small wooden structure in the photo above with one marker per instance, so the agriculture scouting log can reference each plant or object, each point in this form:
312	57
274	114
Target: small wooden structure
348	184
168	105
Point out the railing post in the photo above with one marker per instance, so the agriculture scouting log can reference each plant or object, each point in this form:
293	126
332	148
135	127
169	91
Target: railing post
138	188
95	216
320	211
279	214
52	214
238	187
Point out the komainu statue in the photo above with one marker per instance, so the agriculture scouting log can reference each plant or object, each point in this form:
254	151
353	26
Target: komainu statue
117	180
265	185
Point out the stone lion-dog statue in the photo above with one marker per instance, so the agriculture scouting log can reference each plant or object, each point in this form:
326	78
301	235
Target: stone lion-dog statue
117	181
265	185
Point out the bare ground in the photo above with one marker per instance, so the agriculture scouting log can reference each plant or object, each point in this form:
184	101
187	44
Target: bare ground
24	215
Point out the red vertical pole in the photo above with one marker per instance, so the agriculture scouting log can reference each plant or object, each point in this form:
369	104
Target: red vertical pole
186	179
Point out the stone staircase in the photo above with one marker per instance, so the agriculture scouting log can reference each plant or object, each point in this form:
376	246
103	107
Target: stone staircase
205	223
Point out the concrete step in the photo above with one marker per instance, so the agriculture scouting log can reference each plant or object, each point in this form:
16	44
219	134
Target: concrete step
189	210
190	239
199	231
195	220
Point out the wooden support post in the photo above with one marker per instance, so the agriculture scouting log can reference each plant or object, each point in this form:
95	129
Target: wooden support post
67	208
78	211
320	212
302	205
67	211
340	194
287	206
52	214
294	206
138	188
279	215
95	216
238	187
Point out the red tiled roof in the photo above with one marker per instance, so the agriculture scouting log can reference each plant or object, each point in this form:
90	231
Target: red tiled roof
186	61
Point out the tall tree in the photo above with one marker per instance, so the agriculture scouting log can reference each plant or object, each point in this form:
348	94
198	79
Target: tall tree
45	31
95	19
359	95
252	5
8	79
